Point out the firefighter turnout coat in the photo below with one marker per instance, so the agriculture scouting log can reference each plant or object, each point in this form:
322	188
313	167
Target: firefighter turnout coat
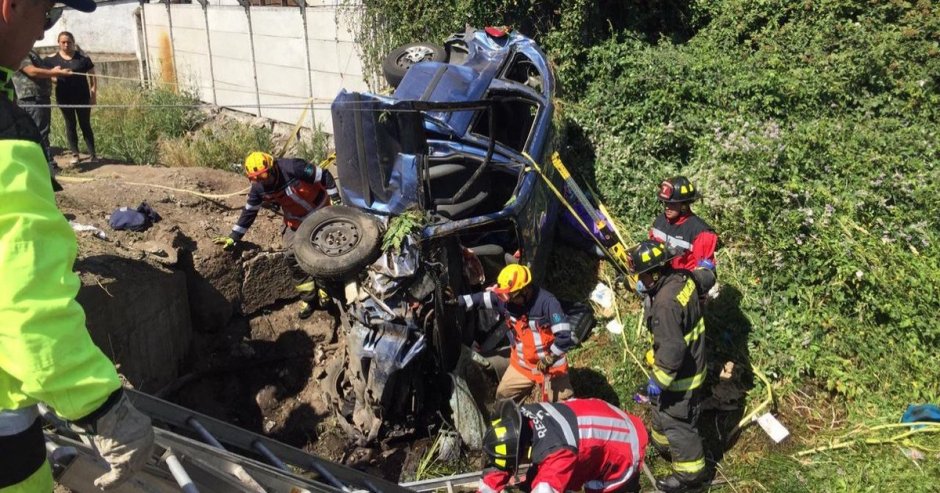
675	319
691	238
299	189
581	443
538	326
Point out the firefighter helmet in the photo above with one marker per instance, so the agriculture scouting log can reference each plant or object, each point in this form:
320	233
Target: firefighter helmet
259	165
677	189
512	278
502	440
648	255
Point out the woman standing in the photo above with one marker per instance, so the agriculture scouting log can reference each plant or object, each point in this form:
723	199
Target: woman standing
78	89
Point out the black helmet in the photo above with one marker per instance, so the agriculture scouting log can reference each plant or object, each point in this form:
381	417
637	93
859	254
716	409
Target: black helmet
501	441
677	189
648	255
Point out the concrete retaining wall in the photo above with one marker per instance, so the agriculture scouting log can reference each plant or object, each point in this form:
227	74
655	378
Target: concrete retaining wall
210	52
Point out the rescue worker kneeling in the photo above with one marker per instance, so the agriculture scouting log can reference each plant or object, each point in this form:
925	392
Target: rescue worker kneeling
674	317
580	443
538	331
299	188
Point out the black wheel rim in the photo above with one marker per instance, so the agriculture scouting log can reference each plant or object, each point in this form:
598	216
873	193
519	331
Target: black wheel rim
336	237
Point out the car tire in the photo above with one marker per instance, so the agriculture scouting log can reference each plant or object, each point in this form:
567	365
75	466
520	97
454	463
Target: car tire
335	242
399	60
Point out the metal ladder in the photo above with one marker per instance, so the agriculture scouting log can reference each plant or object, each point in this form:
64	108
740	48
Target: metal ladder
197	453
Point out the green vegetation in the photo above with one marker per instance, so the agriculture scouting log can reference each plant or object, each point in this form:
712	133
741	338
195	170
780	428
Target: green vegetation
163	127
131	132
400	226
812	127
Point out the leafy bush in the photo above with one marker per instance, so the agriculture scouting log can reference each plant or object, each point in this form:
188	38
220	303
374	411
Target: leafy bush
812	129
220	145
130	121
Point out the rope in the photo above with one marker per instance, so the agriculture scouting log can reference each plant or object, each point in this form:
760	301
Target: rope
74	179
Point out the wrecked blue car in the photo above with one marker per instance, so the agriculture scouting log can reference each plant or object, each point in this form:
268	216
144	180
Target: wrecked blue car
453	147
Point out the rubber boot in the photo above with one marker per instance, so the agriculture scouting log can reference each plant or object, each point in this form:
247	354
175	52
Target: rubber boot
306	309
684	483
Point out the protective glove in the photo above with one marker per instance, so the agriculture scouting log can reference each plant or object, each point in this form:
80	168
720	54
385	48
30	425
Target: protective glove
124	438
226	242
653	389
547	361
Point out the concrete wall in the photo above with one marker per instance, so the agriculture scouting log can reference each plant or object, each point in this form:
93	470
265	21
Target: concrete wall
291	64
109	29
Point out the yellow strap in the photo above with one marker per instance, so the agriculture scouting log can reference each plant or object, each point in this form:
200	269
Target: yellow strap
74	179
617	264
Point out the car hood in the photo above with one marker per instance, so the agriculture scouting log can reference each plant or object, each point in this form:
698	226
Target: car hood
380	144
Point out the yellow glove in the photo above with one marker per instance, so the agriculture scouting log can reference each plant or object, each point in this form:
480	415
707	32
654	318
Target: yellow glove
225	241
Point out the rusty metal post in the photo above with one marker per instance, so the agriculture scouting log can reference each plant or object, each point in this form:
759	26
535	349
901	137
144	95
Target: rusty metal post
169	20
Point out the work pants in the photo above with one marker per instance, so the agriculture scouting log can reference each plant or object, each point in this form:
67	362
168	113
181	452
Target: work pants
675	429
517	386
298	275
43	119
82	116
23	466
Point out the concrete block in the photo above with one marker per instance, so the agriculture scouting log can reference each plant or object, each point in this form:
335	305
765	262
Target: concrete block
277	22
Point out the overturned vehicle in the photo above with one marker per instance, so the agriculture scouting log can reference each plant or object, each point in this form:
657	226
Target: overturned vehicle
443	168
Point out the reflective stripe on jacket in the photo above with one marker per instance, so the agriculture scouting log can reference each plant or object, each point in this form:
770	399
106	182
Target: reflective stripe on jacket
535	329
47	353
580	443
691	238
674	317
299	189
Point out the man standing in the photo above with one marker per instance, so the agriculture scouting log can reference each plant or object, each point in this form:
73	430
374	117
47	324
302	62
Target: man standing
34	94
674	317
47	353
580	444
686	235
538	331
299	188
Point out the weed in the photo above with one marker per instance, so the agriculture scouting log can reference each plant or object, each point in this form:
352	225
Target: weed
131	121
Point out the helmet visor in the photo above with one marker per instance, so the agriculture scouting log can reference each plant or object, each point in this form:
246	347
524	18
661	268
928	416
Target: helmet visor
260	175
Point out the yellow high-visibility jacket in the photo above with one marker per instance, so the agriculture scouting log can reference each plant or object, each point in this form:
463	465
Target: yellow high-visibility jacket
46	353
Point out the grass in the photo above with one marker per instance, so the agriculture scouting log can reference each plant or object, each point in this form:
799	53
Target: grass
139	126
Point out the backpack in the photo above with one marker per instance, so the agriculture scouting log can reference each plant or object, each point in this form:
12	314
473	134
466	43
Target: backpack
133	219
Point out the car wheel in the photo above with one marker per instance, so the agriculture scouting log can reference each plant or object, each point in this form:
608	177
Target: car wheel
337	241
399	60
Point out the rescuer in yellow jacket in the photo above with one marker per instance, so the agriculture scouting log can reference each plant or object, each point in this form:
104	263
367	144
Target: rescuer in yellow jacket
46	354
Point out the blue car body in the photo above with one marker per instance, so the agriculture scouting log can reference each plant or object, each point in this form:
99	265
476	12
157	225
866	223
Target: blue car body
456	140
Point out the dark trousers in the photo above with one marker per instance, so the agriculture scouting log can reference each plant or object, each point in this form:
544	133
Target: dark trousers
297	274
675	428
83	117
42	117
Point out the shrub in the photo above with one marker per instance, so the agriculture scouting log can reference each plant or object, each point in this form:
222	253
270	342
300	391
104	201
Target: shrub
222	144
811	127
130	121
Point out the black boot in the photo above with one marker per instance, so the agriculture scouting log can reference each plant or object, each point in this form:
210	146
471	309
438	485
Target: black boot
306	309
688	483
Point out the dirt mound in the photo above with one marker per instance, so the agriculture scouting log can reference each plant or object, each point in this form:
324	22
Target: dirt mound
213	330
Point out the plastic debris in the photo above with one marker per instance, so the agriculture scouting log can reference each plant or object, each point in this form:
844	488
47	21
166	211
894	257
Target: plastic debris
774	428
615	327
603	296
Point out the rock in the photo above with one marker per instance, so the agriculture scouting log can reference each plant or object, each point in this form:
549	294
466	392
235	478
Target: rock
267	279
